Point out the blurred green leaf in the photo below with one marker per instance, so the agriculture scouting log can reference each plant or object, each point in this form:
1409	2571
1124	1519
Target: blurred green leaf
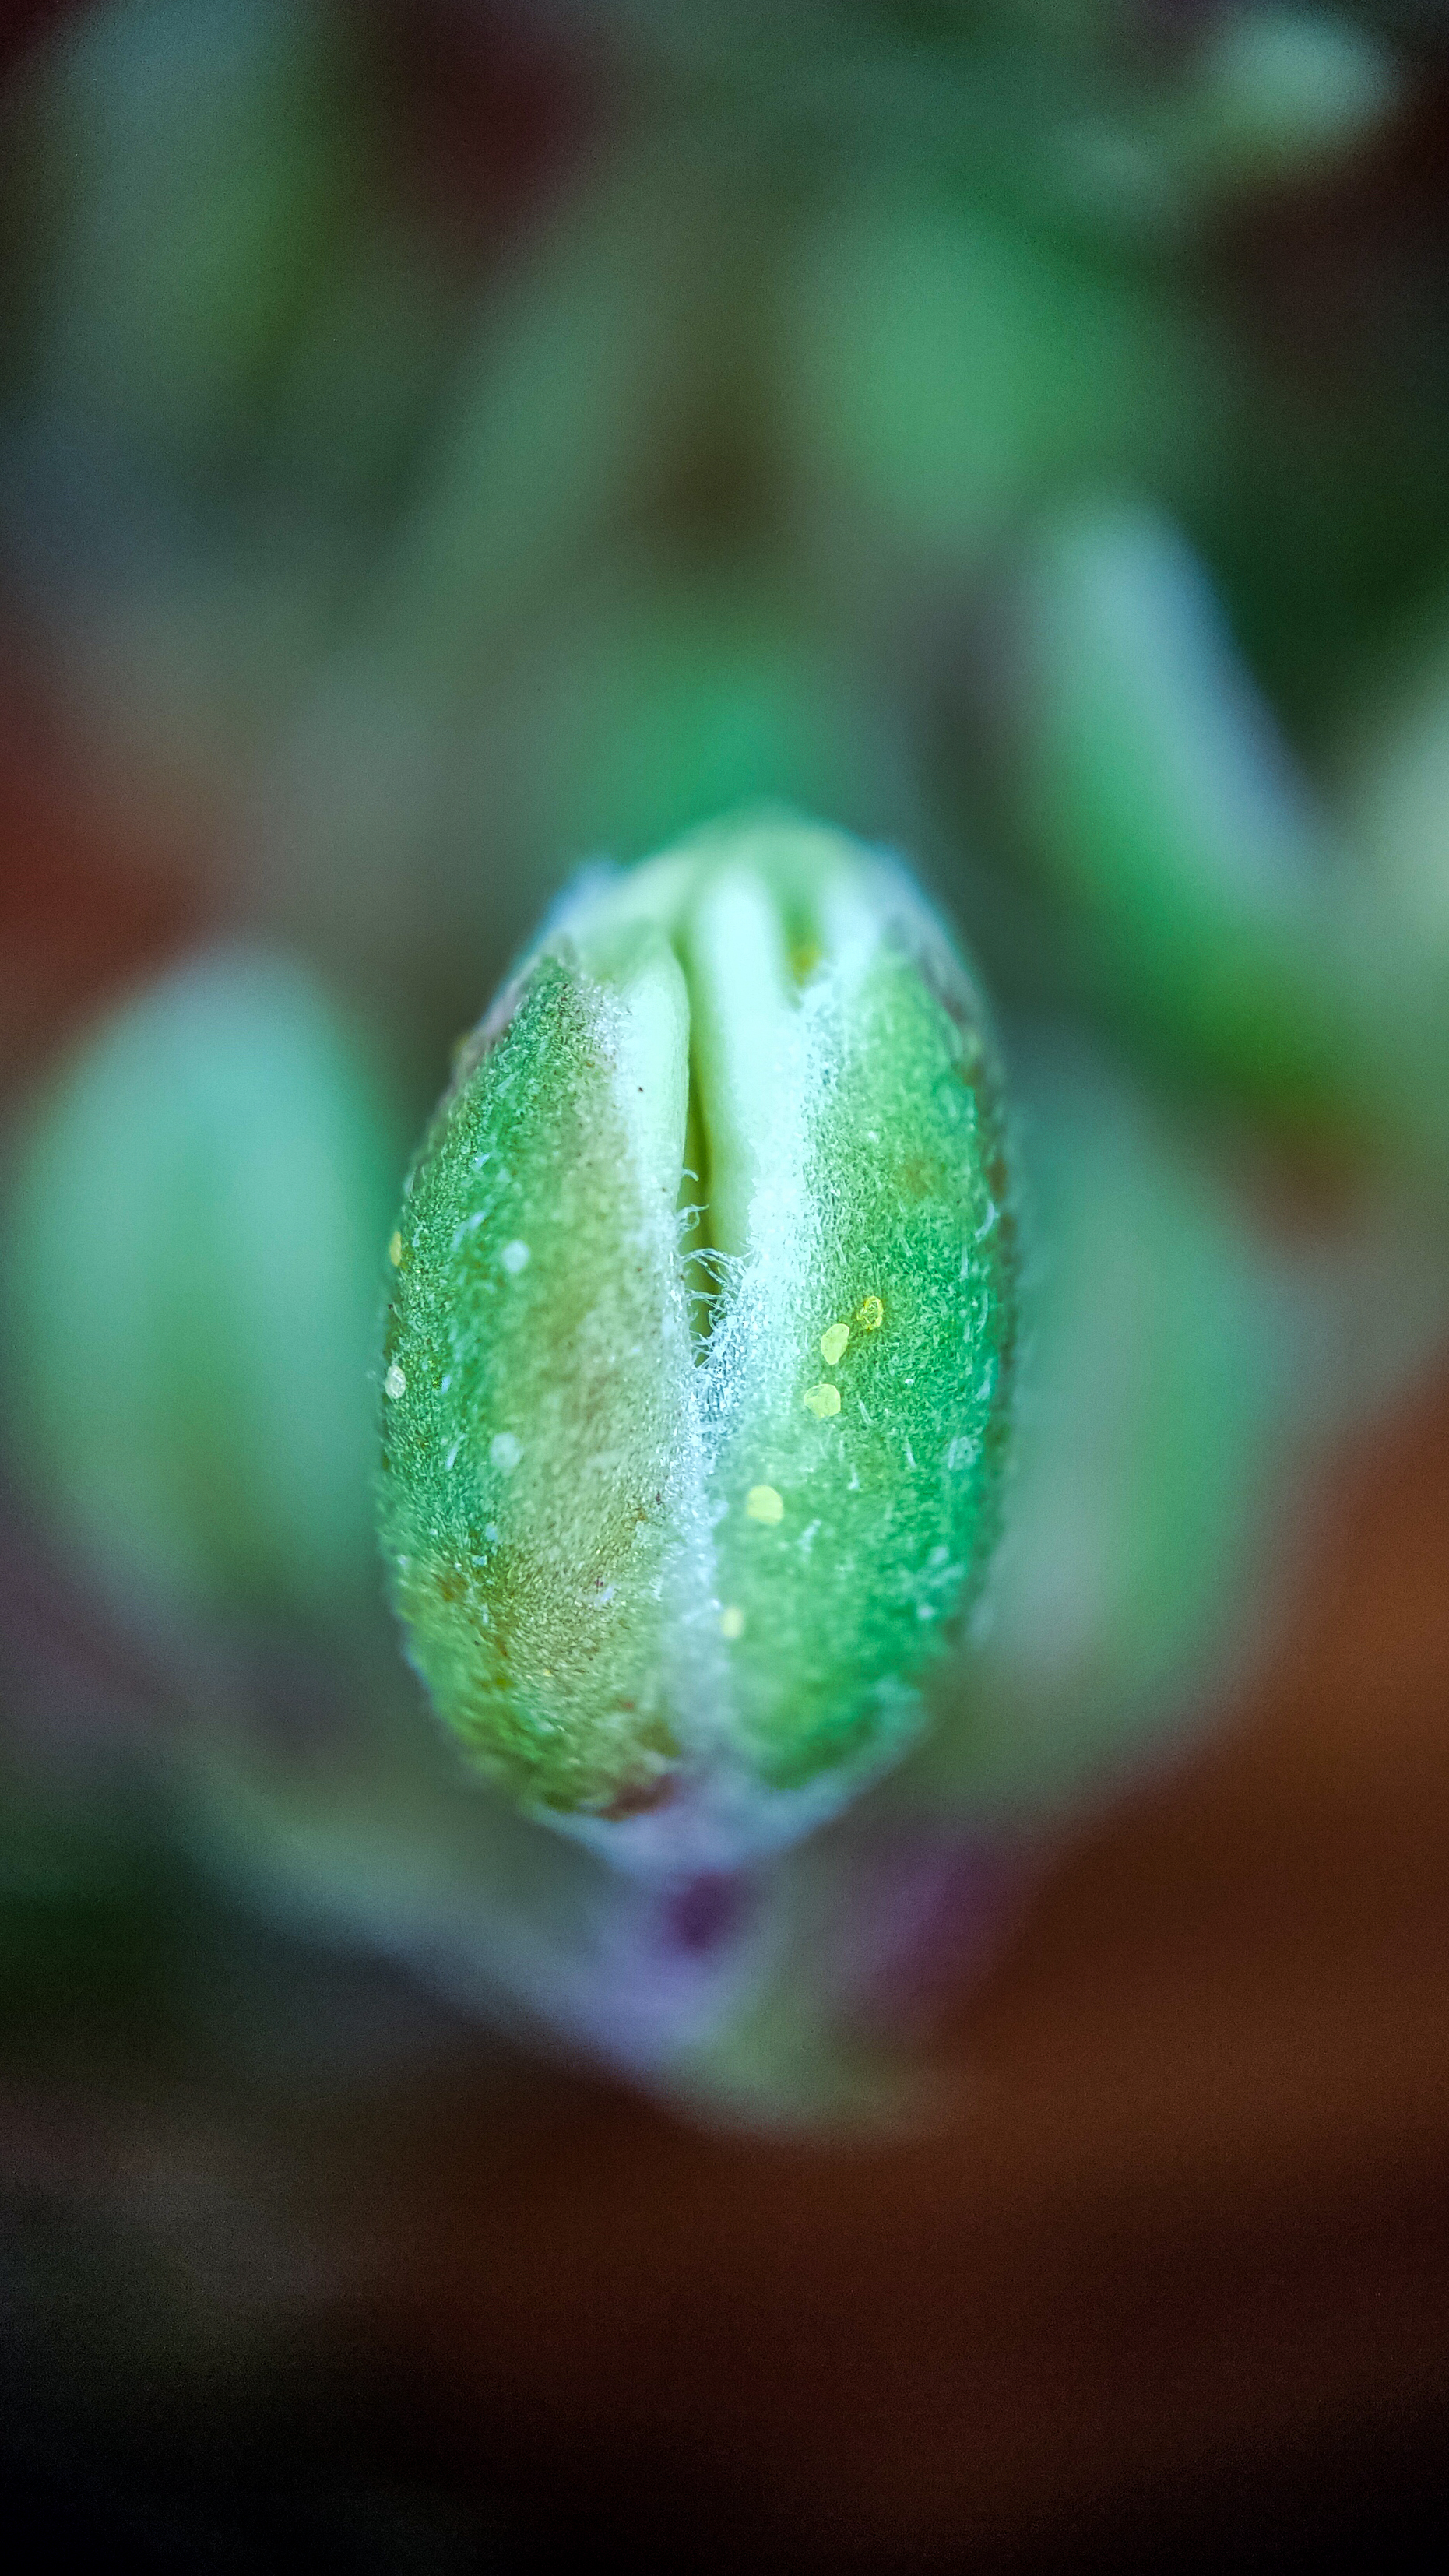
192	1268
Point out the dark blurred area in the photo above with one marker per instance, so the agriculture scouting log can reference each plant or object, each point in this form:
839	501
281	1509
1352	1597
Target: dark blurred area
440	446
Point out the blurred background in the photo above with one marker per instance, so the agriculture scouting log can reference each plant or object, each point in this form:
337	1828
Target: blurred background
440	445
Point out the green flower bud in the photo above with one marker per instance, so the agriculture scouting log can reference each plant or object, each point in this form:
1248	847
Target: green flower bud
698	1358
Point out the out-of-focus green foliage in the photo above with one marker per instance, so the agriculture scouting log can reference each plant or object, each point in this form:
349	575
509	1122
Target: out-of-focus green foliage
1171	1360
1166	815
190	1276
1396	790
192	168
945	370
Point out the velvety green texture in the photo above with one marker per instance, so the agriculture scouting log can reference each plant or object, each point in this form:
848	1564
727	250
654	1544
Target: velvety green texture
695	1392
527	1456
889	1504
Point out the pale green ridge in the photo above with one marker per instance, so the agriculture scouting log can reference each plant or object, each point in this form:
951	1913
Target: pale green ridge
533	1430
739	997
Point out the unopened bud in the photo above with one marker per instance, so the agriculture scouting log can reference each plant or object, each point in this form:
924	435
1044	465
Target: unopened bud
696	1379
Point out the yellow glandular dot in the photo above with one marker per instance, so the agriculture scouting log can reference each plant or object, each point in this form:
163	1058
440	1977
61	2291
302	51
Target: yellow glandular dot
395	1251
832	1343
823	1400
762	1503
870	1314
732	1623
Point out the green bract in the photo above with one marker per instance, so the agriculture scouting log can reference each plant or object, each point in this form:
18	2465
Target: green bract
698	1358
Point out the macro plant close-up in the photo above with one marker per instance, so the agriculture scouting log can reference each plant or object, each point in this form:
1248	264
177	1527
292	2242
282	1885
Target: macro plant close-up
724	1278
